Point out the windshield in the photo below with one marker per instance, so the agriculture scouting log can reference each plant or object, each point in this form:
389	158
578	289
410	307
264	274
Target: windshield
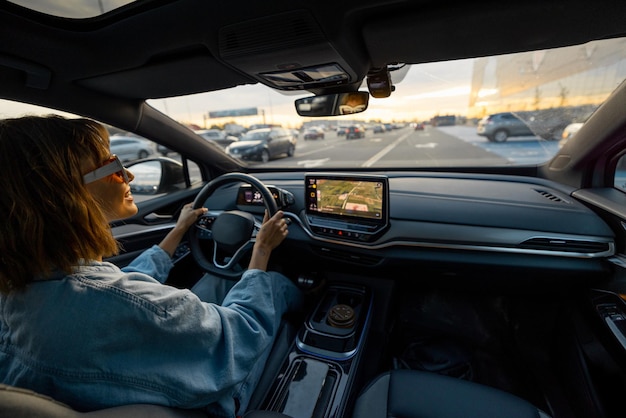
500	110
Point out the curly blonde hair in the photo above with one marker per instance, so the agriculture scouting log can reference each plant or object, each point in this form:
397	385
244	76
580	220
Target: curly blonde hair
52	221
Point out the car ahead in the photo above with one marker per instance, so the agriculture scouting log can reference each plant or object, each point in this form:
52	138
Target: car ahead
379	128
438	269
500	126
129	148
314	133
218	136
342	130
355	132
263	144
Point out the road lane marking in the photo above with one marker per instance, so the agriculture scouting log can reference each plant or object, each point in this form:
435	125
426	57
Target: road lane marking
384	151
313	163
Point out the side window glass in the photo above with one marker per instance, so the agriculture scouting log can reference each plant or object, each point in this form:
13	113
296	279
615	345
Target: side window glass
156	178
194	172
619	181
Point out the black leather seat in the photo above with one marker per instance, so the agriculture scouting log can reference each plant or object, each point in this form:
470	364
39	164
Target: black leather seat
417	394
23	403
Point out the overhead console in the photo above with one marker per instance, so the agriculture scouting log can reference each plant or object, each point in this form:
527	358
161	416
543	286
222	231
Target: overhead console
347	207
259	46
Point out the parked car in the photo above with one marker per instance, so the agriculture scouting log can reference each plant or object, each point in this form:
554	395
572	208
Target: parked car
263	144
314	133
218	136
355	132
163	150
500	126
441	275
129	148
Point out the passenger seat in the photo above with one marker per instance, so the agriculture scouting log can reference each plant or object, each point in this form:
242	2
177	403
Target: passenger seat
418	394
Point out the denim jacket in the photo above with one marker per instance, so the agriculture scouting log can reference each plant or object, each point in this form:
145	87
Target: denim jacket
102	337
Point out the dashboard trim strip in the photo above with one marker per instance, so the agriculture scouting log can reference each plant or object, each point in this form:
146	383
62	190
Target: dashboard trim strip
435	245
470	247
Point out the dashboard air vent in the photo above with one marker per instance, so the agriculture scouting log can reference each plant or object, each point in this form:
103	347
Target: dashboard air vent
550	196
565	245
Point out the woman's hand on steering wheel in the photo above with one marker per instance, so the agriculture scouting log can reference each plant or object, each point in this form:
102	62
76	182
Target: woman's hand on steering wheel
271	234
273	231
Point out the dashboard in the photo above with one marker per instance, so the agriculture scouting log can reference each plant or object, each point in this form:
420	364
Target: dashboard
370	220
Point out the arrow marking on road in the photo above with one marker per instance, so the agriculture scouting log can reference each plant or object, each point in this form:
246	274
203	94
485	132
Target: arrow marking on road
313	163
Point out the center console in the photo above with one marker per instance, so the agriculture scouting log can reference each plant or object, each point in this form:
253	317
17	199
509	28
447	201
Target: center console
316	376
319	372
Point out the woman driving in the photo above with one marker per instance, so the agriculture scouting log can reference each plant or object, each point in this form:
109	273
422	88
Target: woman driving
92	335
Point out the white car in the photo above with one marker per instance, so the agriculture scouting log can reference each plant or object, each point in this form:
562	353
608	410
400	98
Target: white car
569	132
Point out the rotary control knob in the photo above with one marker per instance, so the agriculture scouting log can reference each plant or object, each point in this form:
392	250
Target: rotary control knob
341	316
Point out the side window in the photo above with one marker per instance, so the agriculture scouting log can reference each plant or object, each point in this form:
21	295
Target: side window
619	181
158	177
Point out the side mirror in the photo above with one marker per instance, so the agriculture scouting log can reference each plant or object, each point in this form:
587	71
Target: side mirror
156	176
333	104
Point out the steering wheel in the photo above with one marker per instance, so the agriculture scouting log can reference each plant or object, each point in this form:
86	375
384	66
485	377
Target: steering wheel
233	232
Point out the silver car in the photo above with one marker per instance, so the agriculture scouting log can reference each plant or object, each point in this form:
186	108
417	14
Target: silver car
500	126
129	148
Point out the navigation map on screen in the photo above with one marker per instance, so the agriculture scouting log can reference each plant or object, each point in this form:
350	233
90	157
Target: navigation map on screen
362	198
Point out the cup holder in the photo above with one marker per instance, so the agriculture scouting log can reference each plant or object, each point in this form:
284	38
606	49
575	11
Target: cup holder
337	322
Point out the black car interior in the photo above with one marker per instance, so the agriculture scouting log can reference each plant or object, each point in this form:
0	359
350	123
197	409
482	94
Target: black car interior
468	291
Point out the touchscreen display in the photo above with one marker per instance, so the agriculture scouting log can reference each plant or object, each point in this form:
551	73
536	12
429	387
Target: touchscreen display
356	197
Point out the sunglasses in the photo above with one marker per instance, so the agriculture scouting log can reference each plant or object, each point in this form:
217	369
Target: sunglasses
113	166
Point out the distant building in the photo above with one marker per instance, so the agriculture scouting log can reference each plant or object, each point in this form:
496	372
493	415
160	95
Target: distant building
545	83
448	120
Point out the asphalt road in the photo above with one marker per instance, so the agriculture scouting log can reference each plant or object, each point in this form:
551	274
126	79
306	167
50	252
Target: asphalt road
432	147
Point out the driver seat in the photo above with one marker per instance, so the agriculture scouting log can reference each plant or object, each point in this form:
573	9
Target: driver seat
23	403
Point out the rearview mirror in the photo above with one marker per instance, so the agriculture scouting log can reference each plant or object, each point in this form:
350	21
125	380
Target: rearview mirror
333	104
